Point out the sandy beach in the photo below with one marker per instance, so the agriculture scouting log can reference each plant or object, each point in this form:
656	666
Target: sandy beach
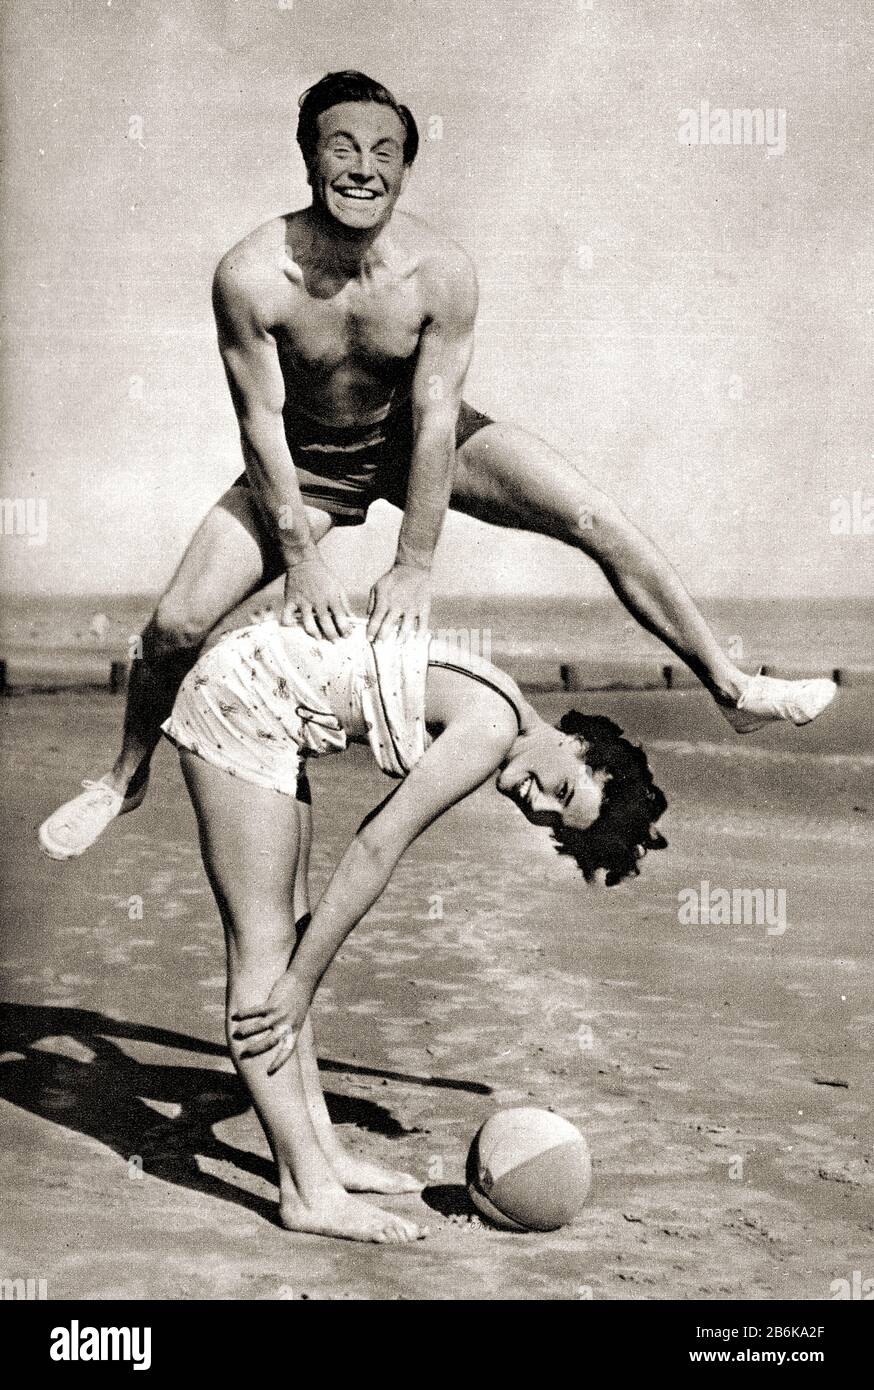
722	1074
624	252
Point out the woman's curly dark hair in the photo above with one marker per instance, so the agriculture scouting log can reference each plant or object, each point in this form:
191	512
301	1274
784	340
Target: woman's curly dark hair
632	802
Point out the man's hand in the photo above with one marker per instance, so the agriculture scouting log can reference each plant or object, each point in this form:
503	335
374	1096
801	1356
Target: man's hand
316	599
400	603
276	1023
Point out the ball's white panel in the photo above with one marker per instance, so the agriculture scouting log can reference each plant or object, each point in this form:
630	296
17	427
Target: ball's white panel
513	1136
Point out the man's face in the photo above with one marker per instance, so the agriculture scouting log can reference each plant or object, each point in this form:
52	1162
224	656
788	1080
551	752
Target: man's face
358	170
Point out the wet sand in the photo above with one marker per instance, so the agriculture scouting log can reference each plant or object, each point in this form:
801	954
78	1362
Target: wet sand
722	1074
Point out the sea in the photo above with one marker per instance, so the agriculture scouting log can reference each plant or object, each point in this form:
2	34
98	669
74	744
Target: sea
831	632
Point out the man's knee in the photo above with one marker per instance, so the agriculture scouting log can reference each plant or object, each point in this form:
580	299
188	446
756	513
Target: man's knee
587	520
528	484
176	628
597	526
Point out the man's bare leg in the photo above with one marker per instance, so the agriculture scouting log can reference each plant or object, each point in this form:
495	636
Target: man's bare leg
230	557
511	478
356	1174
249	838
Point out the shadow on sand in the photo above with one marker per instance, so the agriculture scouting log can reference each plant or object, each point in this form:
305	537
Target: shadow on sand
107	1098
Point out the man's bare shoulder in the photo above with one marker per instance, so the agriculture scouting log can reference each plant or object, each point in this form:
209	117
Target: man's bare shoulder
445	269
258	267
433	247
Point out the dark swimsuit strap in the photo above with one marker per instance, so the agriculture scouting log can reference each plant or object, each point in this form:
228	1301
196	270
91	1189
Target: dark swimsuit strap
482	671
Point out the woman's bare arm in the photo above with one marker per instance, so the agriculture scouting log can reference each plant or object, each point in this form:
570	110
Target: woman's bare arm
469	751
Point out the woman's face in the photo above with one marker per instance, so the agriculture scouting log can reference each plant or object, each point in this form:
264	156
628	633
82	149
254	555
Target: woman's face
547	777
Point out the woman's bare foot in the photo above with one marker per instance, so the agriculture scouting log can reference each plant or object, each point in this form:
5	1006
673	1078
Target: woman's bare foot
337	1214
359	1175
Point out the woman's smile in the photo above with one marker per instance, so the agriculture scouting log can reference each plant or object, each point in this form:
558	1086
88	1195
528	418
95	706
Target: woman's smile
562	786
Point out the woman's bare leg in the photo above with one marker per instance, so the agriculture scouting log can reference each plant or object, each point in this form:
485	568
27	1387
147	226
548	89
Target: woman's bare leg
250	840
355	1173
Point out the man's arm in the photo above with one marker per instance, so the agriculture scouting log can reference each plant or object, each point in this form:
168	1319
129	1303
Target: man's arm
257	387
403	595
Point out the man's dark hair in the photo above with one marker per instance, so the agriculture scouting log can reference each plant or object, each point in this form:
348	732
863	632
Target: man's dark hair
632	802
349	85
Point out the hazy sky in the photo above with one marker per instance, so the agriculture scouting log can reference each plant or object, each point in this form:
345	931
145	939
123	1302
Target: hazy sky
693	325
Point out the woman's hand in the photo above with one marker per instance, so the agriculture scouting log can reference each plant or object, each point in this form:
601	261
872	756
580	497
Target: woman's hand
275	1023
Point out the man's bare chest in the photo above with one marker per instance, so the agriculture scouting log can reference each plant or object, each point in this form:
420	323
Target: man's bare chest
380	326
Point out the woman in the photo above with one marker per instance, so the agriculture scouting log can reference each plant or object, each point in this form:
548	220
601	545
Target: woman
252	709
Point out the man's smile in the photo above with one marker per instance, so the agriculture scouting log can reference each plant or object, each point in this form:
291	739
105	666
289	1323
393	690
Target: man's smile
361	194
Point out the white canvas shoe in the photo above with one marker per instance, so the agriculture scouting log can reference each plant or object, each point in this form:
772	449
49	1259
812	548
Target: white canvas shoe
767	698
75	826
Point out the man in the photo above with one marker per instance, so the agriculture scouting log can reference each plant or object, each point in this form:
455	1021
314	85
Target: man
346	330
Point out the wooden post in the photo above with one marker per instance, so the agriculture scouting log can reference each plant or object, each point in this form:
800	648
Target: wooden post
117	676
